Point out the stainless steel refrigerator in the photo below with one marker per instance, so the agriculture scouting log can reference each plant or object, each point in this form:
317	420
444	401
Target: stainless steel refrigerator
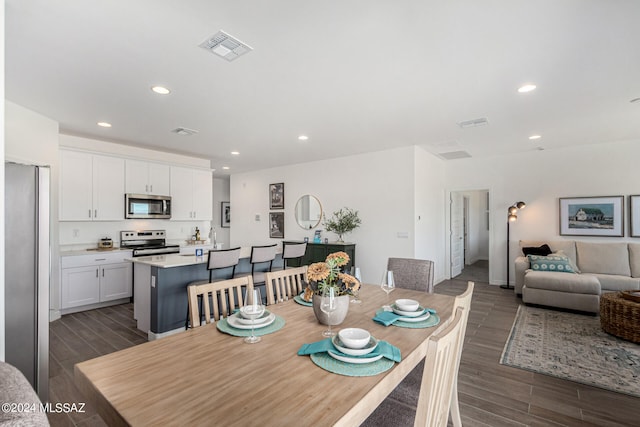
26	276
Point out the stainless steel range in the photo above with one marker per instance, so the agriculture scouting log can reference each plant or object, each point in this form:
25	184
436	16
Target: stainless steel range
147	242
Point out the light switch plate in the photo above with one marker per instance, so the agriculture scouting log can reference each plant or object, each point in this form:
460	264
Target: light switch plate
403	234
257	217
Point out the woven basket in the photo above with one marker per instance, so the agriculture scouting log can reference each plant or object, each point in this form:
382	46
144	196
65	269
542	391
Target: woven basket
620	317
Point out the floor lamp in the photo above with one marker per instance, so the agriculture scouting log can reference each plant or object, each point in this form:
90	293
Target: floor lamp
511	217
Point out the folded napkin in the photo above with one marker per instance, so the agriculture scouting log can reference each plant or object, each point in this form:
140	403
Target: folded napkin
387	350
387	318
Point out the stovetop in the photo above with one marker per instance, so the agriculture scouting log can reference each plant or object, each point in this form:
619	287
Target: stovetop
147	242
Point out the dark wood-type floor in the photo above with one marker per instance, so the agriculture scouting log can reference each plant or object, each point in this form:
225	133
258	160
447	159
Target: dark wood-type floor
490	394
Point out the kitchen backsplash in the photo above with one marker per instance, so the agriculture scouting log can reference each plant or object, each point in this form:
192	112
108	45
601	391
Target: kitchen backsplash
85	235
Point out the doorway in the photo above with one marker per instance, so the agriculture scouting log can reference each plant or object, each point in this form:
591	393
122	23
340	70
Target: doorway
469	234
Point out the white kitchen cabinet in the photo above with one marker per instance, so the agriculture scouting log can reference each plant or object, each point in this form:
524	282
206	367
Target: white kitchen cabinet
147	178
191	194
91	187
97	278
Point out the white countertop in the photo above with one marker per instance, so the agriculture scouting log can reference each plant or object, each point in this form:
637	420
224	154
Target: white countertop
178	260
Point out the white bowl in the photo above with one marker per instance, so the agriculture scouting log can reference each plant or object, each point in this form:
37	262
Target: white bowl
407	304
354	337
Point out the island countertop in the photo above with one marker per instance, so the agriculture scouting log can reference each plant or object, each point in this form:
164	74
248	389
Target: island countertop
180	260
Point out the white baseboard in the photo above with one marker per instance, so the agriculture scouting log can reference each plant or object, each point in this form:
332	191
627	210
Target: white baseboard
54	315
93	306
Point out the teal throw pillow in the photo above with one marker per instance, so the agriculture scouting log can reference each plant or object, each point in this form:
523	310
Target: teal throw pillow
561	264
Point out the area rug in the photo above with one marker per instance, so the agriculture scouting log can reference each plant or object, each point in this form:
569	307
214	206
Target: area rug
572	347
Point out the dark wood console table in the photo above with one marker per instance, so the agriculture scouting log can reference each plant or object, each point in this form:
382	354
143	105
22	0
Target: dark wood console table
317	252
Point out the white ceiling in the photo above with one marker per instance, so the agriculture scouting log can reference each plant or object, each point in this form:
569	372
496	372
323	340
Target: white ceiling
355	75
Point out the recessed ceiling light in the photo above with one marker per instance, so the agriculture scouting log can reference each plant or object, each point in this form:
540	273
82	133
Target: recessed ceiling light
161	90
526	88
535	137
235	153
225	168
303	137
104	124
635	100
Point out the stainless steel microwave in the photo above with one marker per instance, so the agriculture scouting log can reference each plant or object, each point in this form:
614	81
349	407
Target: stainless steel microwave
146	206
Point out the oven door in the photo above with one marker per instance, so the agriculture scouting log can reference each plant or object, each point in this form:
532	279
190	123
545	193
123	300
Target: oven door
145	206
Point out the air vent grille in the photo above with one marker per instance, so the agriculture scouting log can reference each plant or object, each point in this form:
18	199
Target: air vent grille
482	121
184	131
225	46
452	155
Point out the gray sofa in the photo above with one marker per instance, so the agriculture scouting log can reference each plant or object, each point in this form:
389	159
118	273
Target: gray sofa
603	267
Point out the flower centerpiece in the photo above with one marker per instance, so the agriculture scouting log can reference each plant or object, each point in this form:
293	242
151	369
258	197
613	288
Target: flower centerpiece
342	222
329	274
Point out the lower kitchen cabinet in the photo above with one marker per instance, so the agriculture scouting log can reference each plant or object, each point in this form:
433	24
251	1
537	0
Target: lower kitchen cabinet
88	279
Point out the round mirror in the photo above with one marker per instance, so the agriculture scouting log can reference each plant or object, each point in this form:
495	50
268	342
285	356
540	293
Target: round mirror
308	212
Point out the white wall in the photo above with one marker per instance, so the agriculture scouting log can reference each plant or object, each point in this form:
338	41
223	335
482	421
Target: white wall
2	124
221	193
539	178
33	139
380	185
429	210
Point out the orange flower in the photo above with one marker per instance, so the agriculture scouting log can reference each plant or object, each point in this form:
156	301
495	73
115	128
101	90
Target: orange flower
318	272
349	281
340	258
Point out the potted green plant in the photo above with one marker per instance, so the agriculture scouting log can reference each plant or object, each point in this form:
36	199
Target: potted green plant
342	222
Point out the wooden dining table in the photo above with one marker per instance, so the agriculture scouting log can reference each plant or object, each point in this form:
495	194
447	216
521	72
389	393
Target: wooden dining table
205	377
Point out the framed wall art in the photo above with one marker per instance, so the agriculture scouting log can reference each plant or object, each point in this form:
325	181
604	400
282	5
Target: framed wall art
634	215
225	214
276	225
592	216
276	196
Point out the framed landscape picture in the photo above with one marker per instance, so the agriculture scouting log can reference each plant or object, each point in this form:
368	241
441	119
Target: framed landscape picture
276	196
276	225
225	214
592	216
634	215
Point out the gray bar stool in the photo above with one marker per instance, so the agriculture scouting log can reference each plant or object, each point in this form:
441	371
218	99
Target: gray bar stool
292	251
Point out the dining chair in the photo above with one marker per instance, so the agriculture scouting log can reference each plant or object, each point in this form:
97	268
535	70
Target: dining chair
221	295
286	283
291	251
223	259
410	273
440	373
462	301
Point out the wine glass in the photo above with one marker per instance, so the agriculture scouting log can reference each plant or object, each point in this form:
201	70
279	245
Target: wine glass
328	306
252	309
355	272
387	286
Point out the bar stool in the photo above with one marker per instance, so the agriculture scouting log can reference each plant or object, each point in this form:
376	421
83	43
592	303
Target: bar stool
292	251
261	262
217	260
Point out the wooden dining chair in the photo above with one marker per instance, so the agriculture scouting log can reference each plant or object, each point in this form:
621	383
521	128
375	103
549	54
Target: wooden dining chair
410	273
286	284
440	373
225	296
462	301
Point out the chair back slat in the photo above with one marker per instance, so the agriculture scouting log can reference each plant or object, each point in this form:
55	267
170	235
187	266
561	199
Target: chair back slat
263	253
462	301
293	250
439	374
220	293
285	284
223	258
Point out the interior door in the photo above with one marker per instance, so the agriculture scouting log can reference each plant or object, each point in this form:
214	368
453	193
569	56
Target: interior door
457	234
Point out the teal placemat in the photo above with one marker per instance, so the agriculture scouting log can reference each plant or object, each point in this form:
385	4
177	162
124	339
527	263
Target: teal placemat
433	320
330	364
302	302
223	326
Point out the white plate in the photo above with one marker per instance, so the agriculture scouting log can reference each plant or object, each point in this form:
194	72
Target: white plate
261	319
233	322
356	360
337	343
417	313
425	316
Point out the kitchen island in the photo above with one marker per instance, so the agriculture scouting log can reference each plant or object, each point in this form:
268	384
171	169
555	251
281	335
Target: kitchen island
160	288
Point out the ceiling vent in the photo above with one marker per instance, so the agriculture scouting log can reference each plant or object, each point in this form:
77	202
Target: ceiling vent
184	131
225	46
452	155
482	121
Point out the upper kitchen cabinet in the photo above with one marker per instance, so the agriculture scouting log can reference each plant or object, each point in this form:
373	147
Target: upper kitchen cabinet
147	178
91	187
191	194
